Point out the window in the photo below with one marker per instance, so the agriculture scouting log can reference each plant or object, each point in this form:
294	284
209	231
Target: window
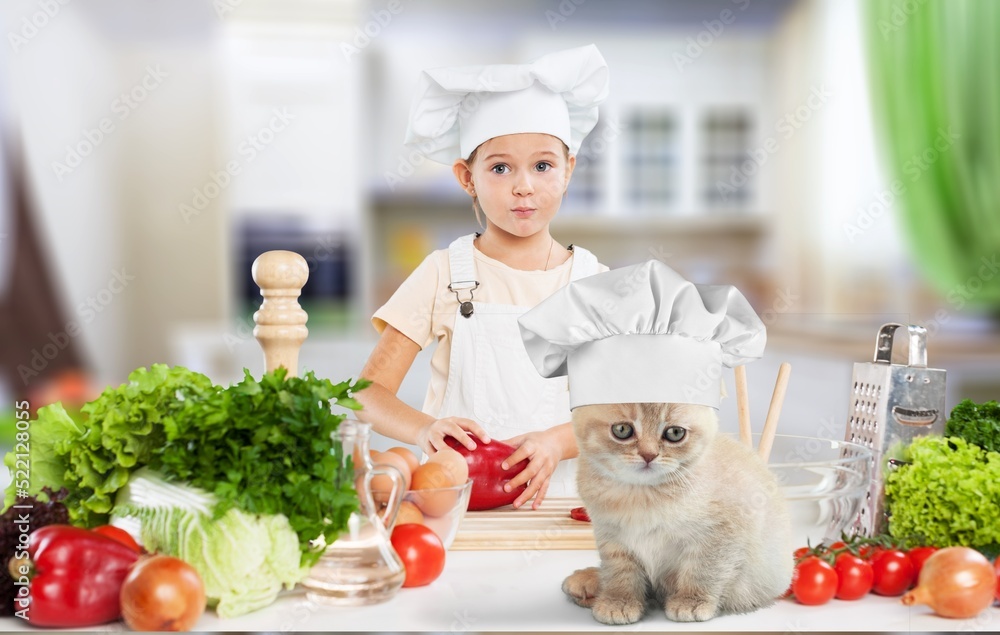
727	183
651	159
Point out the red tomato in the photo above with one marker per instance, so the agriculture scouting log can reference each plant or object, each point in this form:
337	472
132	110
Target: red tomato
854	576
800	552
919	555
814	582
868	552
579	513
120	535
996	566
840	544
421	551
893	572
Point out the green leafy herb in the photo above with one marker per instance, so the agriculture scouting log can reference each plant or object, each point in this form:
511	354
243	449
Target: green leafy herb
267	447
948	491
977	424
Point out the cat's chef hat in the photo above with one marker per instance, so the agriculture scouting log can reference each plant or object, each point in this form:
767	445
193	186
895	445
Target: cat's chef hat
642	334
458	108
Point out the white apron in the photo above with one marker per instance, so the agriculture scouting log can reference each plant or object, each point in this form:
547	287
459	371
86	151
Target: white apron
490	378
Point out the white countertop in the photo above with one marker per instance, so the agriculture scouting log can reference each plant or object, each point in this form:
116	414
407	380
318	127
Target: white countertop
520	590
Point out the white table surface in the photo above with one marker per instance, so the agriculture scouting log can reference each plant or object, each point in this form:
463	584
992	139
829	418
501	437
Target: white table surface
520	591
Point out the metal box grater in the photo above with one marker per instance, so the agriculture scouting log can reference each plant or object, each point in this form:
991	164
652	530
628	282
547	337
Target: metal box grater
892	404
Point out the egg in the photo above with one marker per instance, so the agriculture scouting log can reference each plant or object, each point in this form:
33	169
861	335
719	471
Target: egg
427	479
409	513
382	483
454	464
430	476
410	457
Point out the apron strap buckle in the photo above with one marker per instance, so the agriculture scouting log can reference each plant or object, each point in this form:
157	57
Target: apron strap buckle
465	307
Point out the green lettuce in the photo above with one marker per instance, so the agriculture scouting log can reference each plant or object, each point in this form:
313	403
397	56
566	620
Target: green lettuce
118	432
49	437
947	492
244	559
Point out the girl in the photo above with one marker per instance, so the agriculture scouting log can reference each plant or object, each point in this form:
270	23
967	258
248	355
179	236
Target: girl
510	133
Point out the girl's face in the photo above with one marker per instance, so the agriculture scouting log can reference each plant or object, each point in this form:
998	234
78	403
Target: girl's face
519	179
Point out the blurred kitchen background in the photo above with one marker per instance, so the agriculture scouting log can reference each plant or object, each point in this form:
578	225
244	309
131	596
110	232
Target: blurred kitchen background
838	160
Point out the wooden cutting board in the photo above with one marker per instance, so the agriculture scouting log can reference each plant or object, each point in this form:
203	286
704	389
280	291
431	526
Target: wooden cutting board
506	528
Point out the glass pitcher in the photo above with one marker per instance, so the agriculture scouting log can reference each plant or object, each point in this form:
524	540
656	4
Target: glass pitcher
360	567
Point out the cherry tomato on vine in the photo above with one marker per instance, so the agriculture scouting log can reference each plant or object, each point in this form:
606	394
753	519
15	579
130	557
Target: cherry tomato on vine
893	572
867	552
854	576
996	567
800	552
814	582
919	555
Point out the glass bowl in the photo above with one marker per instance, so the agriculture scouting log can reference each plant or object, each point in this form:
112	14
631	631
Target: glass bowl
825	483
439	508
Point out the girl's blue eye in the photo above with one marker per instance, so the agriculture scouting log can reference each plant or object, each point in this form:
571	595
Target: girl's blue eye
500	168
542	166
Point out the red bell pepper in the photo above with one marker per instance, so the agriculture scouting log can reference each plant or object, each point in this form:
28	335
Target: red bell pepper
488	477
78	577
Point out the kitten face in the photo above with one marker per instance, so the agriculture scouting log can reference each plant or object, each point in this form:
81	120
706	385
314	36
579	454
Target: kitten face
644	443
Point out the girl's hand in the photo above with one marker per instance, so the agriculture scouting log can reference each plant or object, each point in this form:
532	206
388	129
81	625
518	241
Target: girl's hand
431	437
543	451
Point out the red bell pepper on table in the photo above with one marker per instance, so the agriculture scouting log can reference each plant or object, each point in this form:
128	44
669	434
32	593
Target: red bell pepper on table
488	477
78	577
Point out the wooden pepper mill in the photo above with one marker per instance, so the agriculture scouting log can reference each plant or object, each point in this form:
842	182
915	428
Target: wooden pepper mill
280	322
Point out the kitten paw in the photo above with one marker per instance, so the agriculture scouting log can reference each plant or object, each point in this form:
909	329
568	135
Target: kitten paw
581	586
685	608
614	611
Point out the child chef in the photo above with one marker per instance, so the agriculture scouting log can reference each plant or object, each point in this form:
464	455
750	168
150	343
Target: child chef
510	133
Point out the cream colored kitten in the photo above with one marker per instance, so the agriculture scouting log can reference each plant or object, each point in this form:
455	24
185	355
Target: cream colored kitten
684	517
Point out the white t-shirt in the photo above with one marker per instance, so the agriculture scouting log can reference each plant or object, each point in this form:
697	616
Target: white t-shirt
423	309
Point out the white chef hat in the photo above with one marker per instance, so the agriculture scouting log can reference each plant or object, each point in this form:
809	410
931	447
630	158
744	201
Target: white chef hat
642	334
458	108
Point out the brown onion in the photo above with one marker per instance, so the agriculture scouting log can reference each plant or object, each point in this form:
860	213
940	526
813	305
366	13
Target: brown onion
955	582
162	593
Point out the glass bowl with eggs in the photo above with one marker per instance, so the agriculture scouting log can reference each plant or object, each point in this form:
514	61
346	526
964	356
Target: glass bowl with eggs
437	491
